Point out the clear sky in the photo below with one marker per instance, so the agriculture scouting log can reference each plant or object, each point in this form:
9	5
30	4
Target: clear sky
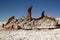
19	8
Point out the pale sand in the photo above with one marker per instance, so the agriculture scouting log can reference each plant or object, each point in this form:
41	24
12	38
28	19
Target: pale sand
53	34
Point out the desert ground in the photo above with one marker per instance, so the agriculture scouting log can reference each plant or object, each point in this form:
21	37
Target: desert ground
45	34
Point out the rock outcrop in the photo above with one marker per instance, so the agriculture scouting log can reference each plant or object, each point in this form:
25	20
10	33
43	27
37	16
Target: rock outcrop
31	23
10	19
42	15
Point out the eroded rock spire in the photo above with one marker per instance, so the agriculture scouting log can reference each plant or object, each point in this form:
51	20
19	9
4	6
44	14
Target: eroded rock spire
42	15
28	18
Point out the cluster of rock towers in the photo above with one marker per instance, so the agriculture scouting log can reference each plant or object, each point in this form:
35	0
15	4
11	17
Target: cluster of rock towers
12	23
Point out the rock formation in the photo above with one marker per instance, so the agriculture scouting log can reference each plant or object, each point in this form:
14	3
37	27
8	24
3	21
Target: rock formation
9	26
28	18
42	15
56	24
9	23
10	19
28	22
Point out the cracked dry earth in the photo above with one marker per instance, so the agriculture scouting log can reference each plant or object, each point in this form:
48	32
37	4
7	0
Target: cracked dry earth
53	34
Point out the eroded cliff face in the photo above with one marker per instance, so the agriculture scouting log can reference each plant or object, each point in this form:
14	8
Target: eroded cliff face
31	23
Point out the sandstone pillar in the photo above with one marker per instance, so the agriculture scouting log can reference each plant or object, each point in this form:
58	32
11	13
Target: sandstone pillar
28	18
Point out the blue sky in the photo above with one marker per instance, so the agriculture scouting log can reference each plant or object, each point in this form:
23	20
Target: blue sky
19	8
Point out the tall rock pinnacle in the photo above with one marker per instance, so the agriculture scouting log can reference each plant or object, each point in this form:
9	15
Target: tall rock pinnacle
28	18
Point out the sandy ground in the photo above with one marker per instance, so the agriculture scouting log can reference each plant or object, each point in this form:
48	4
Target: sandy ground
53	34
30	34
